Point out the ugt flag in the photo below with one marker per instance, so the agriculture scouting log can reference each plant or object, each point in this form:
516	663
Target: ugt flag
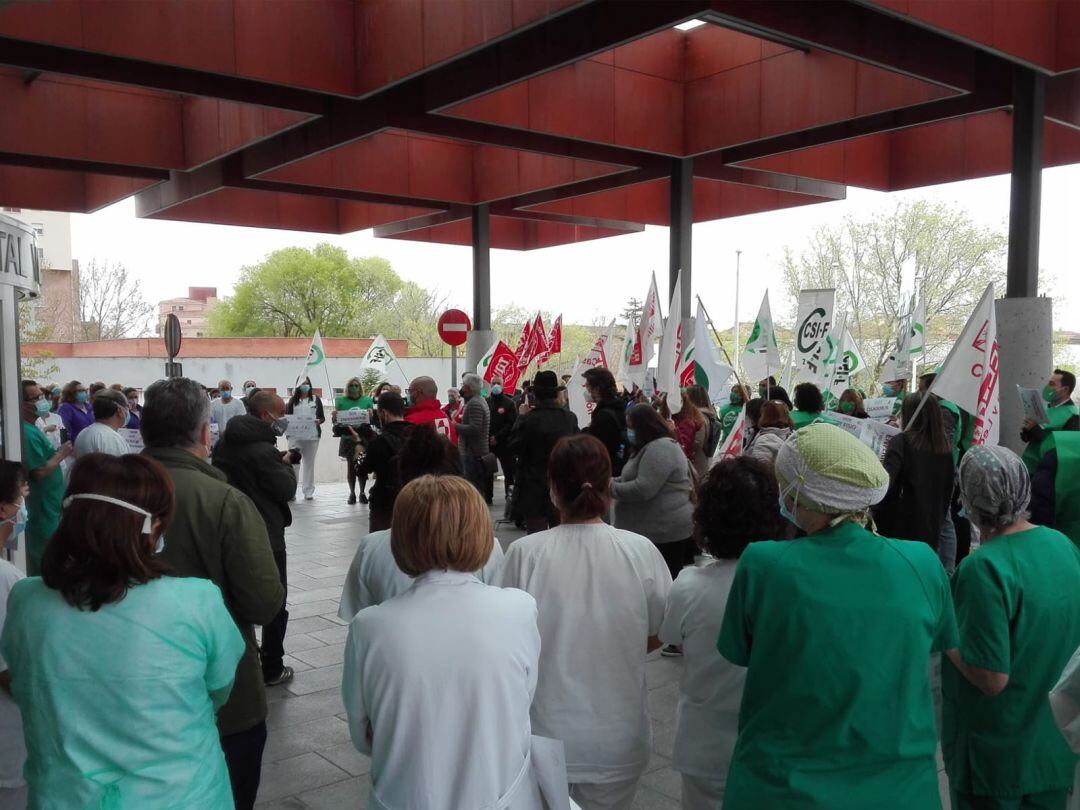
969	376
553	344
575	388
523	344
649	329
761	357
499	361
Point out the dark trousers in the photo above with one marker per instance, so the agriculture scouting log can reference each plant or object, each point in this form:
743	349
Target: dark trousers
678	555
272	651
243	756
473	468
379	519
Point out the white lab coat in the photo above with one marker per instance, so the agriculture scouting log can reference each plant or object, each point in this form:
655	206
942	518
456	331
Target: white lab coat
375	577
444	674
223	411
54	420
600	592
100	438
707	722
1065	705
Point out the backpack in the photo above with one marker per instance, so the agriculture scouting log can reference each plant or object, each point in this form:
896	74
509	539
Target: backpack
716	432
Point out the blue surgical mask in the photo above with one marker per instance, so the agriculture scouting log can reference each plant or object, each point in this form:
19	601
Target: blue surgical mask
631	435
279	426
81	396
785	513
18	522
43	407
226	394
888	390
496	390
305	389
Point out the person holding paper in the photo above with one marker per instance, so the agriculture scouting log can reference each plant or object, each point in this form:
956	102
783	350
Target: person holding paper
304	403
350	446
1057	394
110	414
836	630
1018	608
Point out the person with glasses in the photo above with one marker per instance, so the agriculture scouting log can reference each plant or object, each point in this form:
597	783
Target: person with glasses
42	462
119	667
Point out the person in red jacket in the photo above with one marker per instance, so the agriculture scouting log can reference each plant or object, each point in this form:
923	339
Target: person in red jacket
424	394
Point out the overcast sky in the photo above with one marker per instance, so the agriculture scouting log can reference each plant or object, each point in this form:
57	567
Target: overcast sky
585	281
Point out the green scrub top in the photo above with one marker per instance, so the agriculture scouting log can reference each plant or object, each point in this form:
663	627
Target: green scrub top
801	419
1067	484
1034	451
364	403
119	704
729	414
954	409
836	630
1018	607
46	495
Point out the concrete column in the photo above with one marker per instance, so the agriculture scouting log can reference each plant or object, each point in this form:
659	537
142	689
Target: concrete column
1025	357
1025	197
680	242
481	337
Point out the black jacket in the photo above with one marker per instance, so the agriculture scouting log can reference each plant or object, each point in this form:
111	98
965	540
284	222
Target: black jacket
381	460
503	415
247	453
531	441
920	492
608	424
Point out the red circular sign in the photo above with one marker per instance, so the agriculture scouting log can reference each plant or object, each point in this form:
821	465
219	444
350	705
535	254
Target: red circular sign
454	326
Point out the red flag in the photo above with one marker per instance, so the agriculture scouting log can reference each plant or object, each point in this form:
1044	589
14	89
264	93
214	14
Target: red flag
501	362
523	341
554	342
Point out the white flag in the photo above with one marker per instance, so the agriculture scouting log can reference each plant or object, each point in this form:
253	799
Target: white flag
917	336
969	376
316	361
575	387
733	444
816	309
623	374
849	363
702	365
380	357
761	357
650	327
669	361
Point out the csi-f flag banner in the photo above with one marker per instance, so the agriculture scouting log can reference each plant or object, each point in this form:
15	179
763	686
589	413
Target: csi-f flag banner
316	360
669	361
701	365
499	361
649	329
969	375
849	363
380	357
733	444
816	308
917	337
761	357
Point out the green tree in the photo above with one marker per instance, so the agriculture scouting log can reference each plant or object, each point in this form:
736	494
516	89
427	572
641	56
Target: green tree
863	258
295	291
40	366
413	315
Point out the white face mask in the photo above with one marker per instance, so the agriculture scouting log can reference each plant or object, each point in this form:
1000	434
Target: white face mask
147	527
18	522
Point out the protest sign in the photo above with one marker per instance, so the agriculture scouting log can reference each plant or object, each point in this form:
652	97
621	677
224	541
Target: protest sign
354	417
302	428
133	439
879	407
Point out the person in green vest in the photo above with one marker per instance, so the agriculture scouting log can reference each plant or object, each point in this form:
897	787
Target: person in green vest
1055	486
1017	601
349	444
729	414
898	390
809	406
1057	393
836	630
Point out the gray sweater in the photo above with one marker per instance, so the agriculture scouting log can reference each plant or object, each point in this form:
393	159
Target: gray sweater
473	430
652	496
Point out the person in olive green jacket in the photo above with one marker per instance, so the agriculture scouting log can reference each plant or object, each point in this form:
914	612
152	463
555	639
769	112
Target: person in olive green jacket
217	534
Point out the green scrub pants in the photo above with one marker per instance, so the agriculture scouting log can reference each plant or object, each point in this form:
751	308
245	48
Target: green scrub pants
1050	800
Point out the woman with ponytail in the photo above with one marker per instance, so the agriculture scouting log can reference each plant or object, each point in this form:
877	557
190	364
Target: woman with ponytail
600	594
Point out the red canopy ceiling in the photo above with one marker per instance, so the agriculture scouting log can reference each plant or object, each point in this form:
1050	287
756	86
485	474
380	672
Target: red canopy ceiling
565	116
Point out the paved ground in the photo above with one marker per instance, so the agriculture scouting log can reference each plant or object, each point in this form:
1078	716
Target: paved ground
309	760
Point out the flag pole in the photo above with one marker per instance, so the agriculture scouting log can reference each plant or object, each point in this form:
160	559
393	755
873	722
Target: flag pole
727	356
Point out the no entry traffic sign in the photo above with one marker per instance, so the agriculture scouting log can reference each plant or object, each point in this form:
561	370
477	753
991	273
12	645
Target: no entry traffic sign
454	326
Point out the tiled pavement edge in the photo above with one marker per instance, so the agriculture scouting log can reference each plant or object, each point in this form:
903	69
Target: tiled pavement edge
309	761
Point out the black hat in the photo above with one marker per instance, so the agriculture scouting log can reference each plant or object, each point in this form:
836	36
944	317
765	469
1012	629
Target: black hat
546	384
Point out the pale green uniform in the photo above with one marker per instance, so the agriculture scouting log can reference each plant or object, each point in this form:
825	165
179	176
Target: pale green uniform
836	630
1018	607
119	704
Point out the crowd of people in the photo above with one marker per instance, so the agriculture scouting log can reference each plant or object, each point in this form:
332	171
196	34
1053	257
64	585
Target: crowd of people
805	579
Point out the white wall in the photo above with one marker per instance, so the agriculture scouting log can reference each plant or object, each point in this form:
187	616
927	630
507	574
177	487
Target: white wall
276	372
55	237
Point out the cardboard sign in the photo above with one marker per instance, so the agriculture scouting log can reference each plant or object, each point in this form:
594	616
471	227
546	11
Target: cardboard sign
1034	408
879	407
877	435
354	417
133	439
302	428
